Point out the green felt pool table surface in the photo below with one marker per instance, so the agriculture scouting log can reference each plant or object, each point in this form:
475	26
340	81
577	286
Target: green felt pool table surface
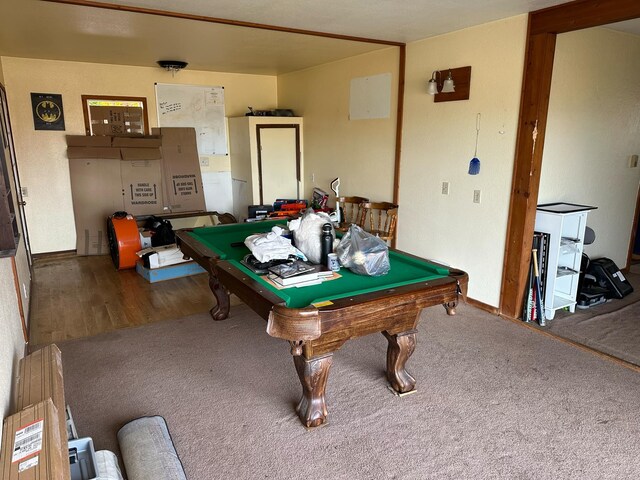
405	269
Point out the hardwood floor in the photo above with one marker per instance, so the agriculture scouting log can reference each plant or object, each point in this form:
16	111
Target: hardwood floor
75	297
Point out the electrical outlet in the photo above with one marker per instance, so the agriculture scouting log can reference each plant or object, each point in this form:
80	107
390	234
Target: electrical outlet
204	161
633	161
445	188
24	191
476	196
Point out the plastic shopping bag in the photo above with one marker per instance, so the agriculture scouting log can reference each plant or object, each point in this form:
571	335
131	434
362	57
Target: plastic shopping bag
363	253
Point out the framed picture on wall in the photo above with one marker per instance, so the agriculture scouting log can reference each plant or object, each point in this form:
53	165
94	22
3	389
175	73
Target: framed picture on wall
119	116
48	113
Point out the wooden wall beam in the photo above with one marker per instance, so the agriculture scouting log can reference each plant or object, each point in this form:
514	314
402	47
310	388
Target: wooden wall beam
534	105
572	16
223	21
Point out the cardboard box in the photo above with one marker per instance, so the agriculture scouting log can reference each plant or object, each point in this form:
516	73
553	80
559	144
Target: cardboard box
148	141
31	445
140	175
181	169
168	273
162	256
93	153
88	141
123	121
40	378
140	154
96	190
142	186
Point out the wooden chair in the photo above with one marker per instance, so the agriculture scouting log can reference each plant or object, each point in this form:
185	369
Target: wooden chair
225	218
352	211
379	218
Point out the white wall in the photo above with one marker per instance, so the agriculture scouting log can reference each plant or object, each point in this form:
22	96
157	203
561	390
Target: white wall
42	154
439	141
593	128
360	152
11	339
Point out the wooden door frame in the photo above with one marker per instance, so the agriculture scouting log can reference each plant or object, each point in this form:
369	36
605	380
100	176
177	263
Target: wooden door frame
544	26
13	163
260	126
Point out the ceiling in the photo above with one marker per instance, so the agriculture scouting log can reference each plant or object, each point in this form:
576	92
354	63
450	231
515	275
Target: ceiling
61	31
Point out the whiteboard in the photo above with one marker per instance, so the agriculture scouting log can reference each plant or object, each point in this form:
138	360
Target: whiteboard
370	97
195	106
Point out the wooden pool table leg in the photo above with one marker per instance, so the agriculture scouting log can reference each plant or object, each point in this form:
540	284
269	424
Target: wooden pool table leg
221	310
313	374
400	348
450	307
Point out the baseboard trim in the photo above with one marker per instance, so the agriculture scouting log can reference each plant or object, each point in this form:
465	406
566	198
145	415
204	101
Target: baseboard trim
53	255
482	306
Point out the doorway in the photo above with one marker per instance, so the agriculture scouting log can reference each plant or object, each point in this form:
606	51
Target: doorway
544	26
278	162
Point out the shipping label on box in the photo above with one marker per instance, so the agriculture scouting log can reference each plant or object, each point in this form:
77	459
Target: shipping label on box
142	185
31	445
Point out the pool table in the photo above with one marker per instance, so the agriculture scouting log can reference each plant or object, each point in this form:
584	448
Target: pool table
317	320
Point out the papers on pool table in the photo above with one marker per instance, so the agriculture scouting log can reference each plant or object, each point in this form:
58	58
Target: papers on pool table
313	279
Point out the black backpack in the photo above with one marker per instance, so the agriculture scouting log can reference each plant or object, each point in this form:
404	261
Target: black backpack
161	231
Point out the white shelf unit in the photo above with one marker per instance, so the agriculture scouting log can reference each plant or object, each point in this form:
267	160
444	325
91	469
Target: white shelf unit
565	223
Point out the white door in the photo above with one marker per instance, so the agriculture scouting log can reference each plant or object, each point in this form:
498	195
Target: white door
278	161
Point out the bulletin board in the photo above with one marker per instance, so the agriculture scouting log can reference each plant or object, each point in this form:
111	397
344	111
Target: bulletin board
195	106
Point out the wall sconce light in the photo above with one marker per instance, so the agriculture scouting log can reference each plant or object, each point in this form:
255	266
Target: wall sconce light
450	89
173	66
448	86
434	86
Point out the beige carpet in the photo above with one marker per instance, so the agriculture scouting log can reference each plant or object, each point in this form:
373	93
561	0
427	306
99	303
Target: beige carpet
494	400
616	333
612	328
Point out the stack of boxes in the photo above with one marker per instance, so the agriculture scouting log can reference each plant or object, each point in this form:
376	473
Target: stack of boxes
34	440
143	175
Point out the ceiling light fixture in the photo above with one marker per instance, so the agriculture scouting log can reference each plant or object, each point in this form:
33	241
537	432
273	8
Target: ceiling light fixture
172	66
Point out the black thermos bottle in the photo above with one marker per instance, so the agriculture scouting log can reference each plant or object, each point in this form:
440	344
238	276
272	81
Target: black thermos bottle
326	243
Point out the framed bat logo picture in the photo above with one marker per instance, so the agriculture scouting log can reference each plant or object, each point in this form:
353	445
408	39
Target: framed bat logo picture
48	113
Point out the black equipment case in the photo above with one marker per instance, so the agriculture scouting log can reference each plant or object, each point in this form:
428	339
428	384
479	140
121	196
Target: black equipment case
609	276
